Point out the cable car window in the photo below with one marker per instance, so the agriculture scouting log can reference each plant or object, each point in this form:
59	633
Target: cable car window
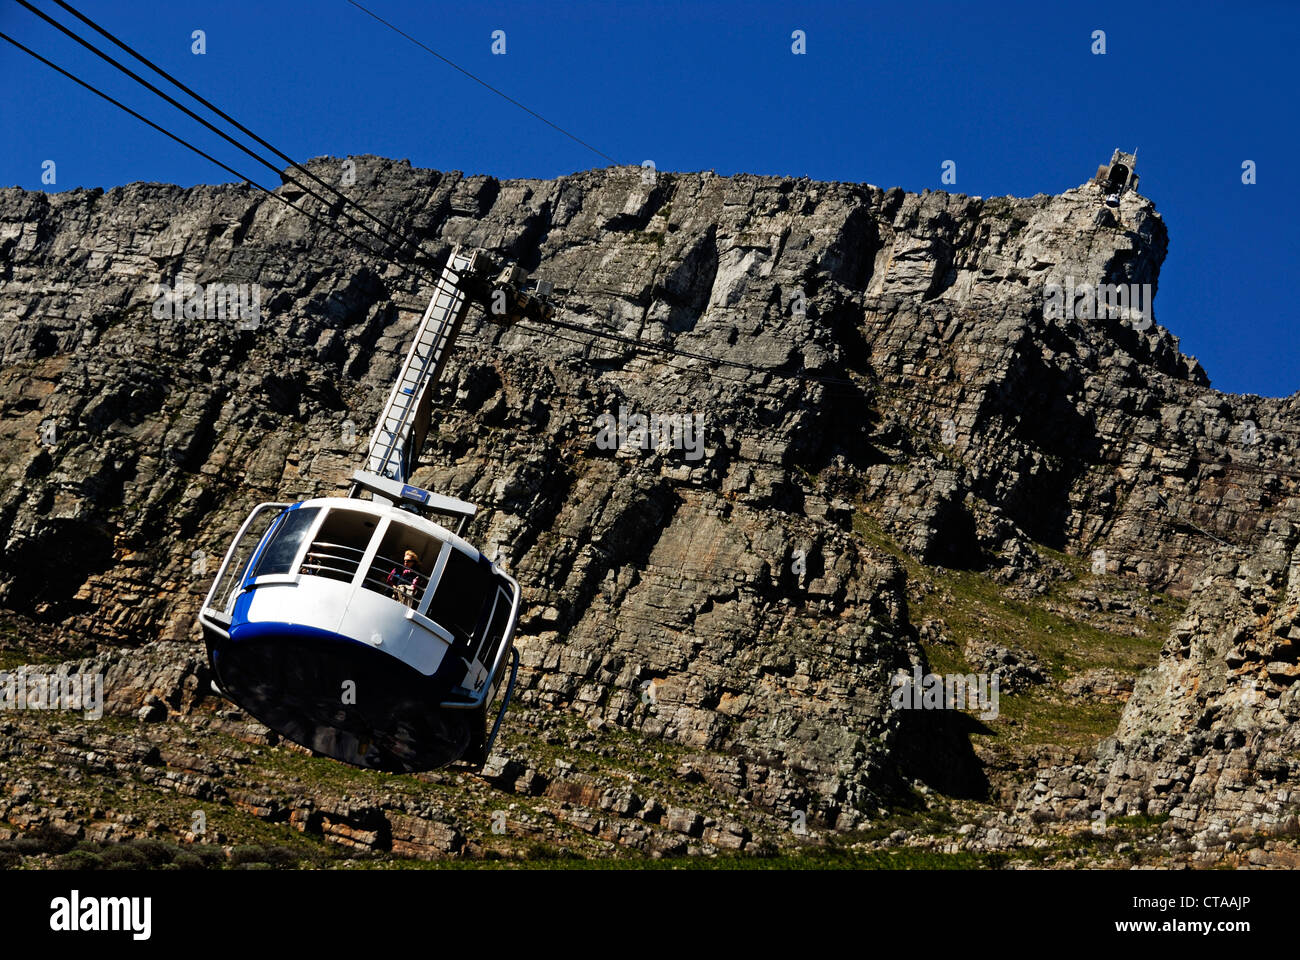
496	629
279	554
241	555
460	596
337	550
401	566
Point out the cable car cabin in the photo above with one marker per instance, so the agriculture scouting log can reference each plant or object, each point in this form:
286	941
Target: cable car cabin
322	625
360	627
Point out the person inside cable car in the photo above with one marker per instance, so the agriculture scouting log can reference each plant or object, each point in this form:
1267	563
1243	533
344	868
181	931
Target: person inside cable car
405	583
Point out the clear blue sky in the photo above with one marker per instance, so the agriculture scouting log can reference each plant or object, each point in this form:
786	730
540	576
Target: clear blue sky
886	92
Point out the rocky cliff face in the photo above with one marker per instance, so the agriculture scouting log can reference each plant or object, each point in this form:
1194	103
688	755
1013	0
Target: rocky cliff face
1209	738
743	610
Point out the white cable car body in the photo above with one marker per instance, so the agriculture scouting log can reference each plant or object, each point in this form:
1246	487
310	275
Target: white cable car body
317	626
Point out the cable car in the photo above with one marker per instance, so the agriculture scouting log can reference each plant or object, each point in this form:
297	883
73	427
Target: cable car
360	626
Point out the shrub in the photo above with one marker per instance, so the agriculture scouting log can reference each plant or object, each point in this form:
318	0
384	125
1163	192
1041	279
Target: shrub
124	856
249	854
53	840
212	857
281	857
156	852
81	860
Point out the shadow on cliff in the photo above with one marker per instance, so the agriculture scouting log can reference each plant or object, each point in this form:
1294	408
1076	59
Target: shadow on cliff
43	574
842	416
933	746
1040	403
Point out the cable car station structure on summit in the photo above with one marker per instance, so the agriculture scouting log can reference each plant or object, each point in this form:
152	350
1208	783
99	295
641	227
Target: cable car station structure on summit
364	627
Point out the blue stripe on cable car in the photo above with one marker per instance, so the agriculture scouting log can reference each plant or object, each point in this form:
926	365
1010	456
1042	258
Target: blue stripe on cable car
271	629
